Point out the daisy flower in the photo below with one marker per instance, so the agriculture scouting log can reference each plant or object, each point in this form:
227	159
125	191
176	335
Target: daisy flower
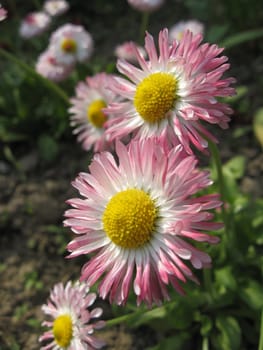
71	43
34	24
55	7
48	67
172	93
136	221
126	51
71	327
3	13
176	31
146	5
87	111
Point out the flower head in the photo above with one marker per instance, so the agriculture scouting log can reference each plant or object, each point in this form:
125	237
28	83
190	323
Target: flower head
176	31
172	93
34	24
146	5
88	117
3	13
71	43
48	67
71	326
56	7
126	51
136	219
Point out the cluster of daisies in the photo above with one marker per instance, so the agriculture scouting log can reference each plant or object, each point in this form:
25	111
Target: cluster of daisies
139	208
68	44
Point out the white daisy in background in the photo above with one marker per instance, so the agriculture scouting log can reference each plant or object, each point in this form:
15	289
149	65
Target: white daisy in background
34	24
72	325
48	67
3	13
126	51
87	115
71	43
176	31
146	5
56	7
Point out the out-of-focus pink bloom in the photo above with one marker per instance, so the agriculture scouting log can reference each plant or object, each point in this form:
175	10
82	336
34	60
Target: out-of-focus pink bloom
71	43
172	93
48	67
126	51
146	5
136	218
176	31
88	117
56	7
71	325
34	24
3	13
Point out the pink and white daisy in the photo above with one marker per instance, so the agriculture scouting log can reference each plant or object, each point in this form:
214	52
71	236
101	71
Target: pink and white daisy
173	93
71	327
88	117
34	24
176	31
136	218
71	43
56	7
146	5
126	51
3	13
48	67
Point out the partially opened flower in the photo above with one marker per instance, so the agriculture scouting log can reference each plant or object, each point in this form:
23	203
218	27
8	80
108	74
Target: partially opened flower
71	43
136	218
48	67
34	24
146	5
126	51
87	111
176	31
3	13
55	7
71	325
172	93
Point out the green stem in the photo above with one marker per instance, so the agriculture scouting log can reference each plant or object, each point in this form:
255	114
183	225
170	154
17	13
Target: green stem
205	344
144	25
48	83
118	320
218	164
260	345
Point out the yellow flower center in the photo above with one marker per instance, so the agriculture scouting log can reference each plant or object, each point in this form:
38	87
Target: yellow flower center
155	96
129	218
62	330
68	45
95	114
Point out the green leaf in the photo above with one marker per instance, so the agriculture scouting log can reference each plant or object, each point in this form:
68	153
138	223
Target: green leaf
224	277
240	38
48	148
230	333
258	125
177	342
252	295
235	167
